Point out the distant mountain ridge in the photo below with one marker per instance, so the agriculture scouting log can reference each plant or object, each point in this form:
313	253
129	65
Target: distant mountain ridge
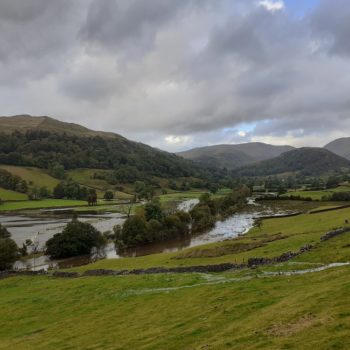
341	147
42	141
24	122
306	161
234	156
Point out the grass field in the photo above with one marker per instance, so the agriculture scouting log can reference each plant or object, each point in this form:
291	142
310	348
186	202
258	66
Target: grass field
188	311
85	177
317	195
44	203
182	196
38	177
8	195
246	309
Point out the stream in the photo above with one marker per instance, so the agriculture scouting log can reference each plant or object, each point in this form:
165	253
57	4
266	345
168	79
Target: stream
45	223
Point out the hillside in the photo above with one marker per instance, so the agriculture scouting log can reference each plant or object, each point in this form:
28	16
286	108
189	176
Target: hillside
24	123
340	147
234	156
307	161
41	141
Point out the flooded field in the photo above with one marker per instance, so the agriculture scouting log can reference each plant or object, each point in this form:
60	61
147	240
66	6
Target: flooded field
44	224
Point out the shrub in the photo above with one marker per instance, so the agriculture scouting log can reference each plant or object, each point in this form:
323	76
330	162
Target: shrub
108	196
77	238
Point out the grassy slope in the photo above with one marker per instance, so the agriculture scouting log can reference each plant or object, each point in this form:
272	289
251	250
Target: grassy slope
85	177
37	176
141	312
8	195
298	312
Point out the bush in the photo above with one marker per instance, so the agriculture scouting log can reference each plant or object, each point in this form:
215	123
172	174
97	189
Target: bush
77	238
108	196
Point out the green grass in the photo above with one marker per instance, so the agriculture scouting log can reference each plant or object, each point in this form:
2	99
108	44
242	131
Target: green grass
135	312
179	196
232	310
38	177
85	177
317	195
38	204
182	196
8	195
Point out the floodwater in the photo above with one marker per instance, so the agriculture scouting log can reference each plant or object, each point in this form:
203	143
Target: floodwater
45	224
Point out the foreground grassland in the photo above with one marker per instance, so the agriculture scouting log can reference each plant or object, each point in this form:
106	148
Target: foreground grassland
244	309
177	312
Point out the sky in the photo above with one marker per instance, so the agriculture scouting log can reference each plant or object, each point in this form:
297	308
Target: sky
178	74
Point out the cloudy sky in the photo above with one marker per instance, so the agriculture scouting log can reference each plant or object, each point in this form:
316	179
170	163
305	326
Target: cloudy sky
181	73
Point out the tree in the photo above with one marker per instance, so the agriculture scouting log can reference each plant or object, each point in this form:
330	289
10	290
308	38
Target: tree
58	191
44	192
213	187
8	249
153	211
134	232
4	233
57	170
92	197
77	238
108	195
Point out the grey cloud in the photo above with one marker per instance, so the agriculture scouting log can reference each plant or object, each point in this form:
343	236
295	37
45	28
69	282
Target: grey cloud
192	68
117	24
330	23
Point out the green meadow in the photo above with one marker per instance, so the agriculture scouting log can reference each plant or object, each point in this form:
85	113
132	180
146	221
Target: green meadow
8	195
238	309
33	176
317	195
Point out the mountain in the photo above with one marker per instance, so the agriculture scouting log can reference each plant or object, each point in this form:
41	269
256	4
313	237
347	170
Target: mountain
341	147
43	141
24	123
234	156
306	161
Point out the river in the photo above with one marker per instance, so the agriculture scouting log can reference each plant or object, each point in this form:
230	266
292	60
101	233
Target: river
44	224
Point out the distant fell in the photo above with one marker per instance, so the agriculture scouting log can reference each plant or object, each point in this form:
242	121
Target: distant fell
23	123
234	156
43	141
306	161
340	147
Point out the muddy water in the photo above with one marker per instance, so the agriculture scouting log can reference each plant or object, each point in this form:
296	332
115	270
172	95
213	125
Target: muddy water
24	227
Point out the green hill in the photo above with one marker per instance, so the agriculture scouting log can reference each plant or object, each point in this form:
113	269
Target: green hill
41	141
234	156
307	161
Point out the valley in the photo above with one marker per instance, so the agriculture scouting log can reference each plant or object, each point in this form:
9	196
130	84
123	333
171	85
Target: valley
229	256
